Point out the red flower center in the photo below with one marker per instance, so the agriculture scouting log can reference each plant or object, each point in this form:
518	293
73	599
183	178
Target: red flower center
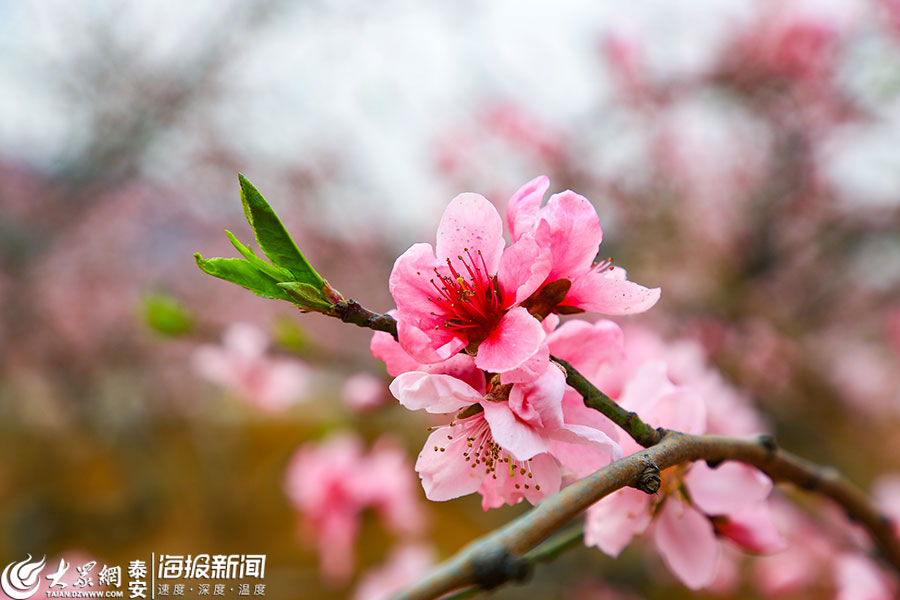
471	306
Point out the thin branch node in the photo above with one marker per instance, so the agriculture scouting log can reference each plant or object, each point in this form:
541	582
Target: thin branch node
495	567
649	480
767	441
817	476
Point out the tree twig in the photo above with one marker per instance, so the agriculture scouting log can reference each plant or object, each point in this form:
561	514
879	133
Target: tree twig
515	539
643	434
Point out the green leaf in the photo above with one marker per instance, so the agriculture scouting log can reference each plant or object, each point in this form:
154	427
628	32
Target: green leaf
276	273
305	294
165	314
244	274
273	238
290	335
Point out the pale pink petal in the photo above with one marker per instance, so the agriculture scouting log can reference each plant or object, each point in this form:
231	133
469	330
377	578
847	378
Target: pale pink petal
214	363
531	369
574	234
753	529
541	478
859	578
410	283
523	269
385	481
643	391
515	339
460	366
446	475
471	223
686	541
583	450
522	211
729	488
363	391
580	434
728	574
383	346
336	536
546	477
430	345
791	570
398	361
245	340
437	394
401	569
596	292
611	523
682	410
576	413
519	439
278	383
550	323
541	397
588	347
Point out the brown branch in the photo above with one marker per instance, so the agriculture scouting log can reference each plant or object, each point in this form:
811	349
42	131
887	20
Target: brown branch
351	311
487	560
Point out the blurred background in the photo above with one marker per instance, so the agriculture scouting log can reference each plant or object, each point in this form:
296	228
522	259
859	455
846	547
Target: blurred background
743	156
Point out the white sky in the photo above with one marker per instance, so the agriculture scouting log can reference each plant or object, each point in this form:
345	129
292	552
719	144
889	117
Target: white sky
374	83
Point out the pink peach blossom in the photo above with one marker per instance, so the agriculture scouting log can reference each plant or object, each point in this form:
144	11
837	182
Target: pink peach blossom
461	366
241	364
678	518
403	567
803	561
500	448
332	482
364	391
467	290
568	232
859	578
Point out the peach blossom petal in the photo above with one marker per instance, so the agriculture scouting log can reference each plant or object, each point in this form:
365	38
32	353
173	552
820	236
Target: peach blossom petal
613	522
410	282
523	269
383	346
596	292
471	222
515	339
729	488
687	543
445	475
523	207
437	394
588	347
573	235
541	398
519	439
433	346
531	369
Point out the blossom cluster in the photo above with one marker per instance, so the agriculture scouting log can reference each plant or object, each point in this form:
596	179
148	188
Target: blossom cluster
332	482
479	324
